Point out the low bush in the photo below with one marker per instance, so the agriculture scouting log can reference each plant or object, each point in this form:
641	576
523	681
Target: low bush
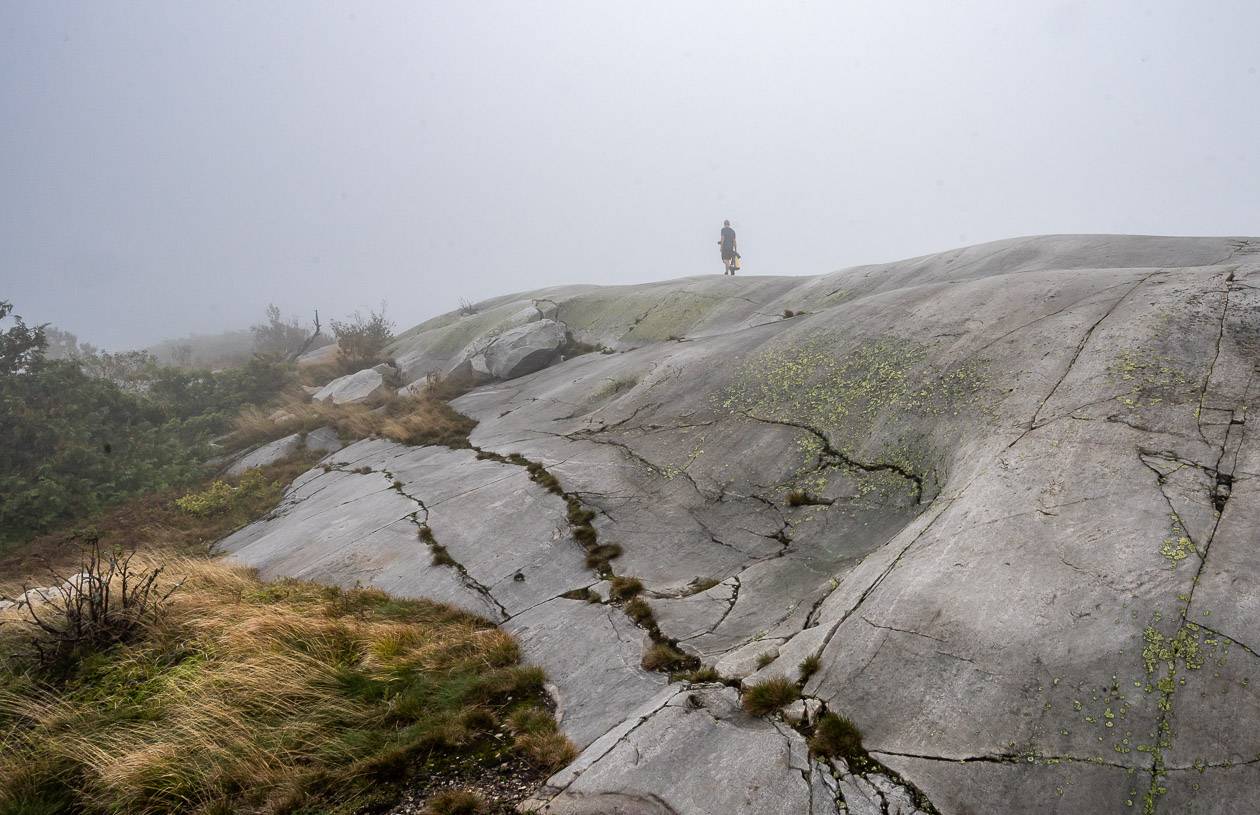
223	497
107	601
152	523
84	432
361	340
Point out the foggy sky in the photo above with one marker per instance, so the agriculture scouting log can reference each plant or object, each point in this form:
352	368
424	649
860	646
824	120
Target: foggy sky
170	167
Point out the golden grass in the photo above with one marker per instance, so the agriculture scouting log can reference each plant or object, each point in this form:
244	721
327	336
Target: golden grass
423	419
268	698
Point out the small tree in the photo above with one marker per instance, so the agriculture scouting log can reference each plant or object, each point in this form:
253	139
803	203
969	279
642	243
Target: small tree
362	340
109	601
280	339
65	345
20	345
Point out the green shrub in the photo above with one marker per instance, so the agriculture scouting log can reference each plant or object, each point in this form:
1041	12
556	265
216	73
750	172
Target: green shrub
221	497
85	432
362	340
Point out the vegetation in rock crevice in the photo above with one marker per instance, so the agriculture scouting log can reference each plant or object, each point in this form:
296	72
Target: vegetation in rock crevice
663	653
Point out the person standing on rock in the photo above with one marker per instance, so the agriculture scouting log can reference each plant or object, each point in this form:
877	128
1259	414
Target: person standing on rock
730	257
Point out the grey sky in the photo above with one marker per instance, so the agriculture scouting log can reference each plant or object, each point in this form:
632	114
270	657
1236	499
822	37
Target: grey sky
168	167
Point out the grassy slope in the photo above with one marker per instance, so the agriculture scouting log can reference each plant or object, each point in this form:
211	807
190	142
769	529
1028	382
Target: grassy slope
272	698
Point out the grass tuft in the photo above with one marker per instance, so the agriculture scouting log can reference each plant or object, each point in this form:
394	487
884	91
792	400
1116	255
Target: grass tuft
639	611
706	674
661	656
456	802
700	584
766	698
625	588
809	666
547	751
582	594
836	736
598	557
765	659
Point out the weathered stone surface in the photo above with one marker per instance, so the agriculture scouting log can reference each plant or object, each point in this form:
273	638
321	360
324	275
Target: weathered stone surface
362	386
513	353
695	753
791	654
744	660
324	440
591	652
324	355
1006	493
802	711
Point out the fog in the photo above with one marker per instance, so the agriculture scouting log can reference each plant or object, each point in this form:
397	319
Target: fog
172	167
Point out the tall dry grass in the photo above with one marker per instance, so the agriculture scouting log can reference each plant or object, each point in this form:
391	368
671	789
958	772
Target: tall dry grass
424	419
268	698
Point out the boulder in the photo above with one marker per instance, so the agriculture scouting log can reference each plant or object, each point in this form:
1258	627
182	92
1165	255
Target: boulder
513	353
526	349
324	355
362	386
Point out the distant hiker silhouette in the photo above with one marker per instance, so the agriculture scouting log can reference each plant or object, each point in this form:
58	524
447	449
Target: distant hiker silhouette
730	256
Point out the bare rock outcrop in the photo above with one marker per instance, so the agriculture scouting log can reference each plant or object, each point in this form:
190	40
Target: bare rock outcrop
1003	500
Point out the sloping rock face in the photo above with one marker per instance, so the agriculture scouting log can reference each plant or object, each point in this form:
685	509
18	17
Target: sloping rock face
323	439
1007	496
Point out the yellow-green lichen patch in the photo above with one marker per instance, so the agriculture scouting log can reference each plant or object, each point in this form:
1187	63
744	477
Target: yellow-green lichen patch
885	381
1151	379
1177	546
1177	549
